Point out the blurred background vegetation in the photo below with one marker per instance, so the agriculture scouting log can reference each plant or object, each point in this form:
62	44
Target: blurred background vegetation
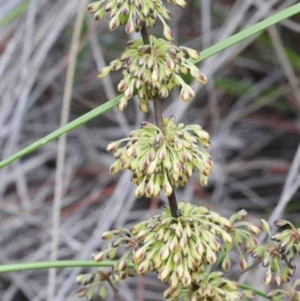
250	106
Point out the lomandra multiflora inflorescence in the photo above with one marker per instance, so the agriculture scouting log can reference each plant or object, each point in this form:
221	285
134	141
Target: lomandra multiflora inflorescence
160	161
189	247
154	70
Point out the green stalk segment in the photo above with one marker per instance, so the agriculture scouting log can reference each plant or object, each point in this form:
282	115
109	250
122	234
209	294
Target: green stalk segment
260	26
29	266
63	130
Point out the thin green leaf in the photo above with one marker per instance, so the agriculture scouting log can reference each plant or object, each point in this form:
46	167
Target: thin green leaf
65	129
260	26
15	13
28	266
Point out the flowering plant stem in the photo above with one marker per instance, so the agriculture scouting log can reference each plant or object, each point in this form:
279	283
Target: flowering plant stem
159	123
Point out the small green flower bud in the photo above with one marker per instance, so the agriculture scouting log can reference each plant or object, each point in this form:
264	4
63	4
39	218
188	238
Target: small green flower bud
140	190
199	249
243	263
99	15
184	95
104	71
174	244
142	234
129	28
157	262
103	292
149	190
179	230
129	92
186	280
226	237
80	279
173	280
268	277
112	254
266	261
144	107
193	54
253	229
226	263
99	256
179	271
93	7
177	258
211	257
281	223
249	294
114	23
139	255
167	32
176	292
183	241
107	235
115	168
278	279
116	278
164	274
121	265
123	103
81	292
180	3
103	275
143	267
164	253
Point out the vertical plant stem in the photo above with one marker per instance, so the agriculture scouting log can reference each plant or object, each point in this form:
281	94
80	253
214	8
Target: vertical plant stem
160	124
158	114
173	204
145	35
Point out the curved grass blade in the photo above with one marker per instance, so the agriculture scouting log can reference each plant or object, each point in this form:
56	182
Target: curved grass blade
42	265
65	129
246	33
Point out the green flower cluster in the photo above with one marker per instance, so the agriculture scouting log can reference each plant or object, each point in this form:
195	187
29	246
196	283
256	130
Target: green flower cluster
289	294
210	287
133	14
176	248
162	161
277	268
125	240
179	248
244	239
93	284
154	70
273	256
289	240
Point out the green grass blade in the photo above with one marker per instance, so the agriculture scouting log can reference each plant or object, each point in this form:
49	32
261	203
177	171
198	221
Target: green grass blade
28	266
14	14
65	129
260	26
110	104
